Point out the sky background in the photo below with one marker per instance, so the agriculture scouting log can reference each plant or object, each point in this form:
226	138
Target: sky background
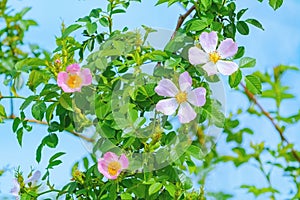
278	44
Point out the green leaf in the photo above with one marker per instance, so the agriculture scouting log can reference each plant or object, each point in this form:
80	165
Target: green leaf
51	140
69	30
241	13
253	84
49	111
16	124
275	4
2	113
170	187
154	188
247	62
240	53
38	110
66	102
197	25
195	151
255	23
20	135
25	63
55	156
104	21
36	78
91	27
116	11
28	101
126	196
242	27
235	78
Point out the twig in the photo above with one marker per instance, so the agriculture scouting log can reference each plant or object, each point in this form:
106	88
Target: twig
181	20
267	114
46	123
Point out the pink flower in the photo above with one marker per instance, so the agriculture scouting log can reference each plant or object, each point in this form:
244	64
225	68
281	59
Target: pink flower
182	98
111	165
212	58
73	79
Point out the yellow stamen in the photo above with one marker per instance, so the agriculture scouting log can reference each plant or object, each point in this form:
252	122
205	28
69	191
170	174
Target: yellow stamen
181	97
214	57
74	81
113	168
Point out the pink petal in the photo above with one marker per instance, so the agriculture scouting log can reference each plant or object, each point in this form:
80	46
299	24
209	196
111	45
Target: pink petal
124	161
62	78
167	106
86	76
185	81
209	41
197	56
210	68
166	88
226	67
186	113
67	89
102	168
197	96
35	177
73	68
110	156
227	48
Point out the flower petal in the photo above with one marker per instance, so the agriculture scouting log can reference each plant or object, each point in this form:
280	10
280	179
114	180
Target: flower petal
197	96
86	76
166	88
102	168
62	78
185	81
186	113
209	41
197	56
73	68
210	68
226	67
35	177
227	48
16	189
110	156
167	106
124	161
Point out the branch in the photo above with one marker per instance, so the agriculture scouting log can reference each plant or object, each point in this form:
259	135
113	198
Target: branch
272	120
181	20
46	123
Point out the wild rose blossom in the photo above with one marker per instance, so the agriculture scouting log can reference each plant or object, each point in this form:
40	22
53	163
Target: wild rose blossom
16	189
182	98
111	165
212	58
74	78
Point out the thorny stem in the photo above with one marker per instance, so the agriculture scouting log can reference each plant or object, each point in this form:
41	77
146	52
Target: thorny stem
272	120
181	20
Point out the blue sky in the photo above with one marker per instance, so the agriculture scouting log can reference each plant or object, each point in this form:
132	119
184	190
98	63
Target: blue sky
278	44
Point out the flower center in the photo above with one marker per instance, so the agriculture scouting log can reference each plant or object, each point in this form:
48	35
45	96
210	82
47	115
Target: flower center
214	57
113	168
181	97
74	81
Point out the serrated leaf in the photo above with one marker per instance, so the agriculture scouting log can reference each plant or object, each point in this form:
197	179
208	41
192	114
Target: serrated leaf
91	28
197	25
235	78
154	188
253	84
49	111
16	124
51	140
28	101
36	78
255	23
247	62
29	62
161	2
57	155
